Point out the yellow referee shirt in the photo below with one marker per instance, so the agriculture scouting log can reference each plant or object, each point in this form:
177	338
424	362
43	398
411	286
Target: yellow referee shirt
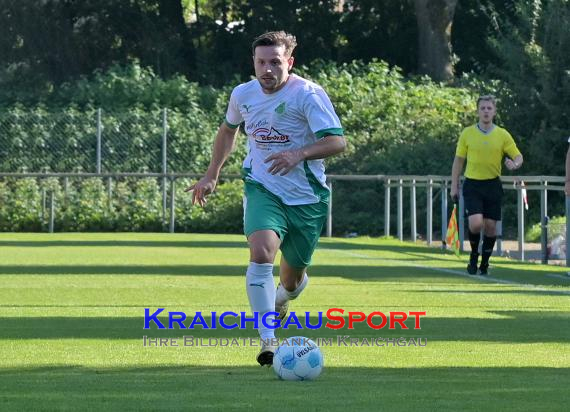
484	151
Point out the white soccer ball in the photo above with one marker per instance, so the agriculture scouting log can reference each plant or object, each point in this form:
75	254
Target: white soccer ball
298	359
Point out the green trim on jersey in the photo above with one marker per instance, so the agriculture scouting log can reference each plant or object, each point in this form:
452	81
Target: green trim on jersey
230	125
245	172
334	131
318	189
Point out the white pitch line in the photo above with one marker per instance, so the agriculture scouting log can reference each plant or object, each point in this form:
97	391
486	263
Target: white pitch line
460	273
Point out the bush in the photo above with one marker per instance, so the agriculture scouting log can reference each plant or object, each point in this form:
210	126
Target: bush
222	214
556	227
393	126
135	205
23	206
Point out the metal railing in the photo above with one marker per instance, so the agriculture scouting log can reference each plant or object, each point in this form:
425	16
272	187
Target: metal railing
544	184
441	184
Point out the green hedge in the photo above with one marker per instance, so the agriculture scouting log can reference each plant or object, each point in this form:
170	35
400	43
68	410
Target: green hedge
556	227
134	205
394	125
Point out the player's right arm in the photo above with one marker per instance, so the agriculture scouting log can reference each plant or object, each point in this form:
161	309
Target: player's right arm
567	183
456	170
223	146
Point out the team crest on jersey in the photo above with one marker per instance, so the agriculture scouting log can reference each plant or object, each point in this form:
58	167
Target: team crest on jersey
246	107
281	108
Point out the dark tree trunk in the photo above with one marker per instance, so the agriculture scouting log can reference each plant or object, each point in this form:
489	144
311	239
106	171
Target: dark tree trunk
435	18
173	13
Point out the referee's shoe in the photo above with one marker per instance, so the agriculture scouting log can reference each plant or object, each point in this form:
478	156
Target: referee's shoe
472	266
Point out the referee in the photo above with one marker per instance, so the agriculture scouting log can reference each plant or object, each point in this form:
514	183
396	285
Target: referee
483	145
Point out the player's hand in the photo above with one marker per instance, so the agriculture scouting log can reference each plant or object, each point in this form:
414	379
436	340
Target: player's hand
201	189
283	162
454	194
510	164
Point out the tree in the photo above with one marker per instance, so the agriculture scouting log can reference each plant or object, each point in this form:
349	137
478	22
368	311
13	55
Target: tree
473	23
531	56
58	40
378	29
434	20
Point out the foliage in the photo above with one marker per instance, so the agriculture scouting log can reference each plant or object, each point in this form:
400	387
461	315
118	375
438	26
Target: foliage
394	125
22	206
48	42
388	117
222	214
60	134
44	44
474	22
556	227
94	204
372	29
532	58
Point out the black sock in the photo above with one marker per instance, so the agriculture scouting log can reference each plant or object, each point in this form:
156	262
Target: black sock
474	241
488	245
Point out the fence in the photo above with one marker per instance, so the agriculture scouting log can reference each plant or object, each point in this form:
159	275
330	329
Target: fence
435	187
520	184
168	146
98	141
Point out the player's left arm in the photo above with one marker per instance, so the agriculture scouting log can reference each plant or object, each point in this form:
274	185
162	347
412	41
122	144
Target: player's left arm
515	159
284	162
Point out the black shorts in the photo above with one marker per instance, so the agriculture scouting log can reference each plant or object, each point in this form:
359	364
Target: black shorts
483	197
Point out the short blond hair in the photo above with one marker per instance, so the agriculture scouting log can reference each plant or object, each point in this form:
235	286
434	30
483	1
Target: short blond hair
487	98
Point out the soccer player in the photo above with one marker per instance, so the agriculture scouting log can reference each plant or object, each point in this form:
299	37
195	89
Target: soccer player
291	127
483	145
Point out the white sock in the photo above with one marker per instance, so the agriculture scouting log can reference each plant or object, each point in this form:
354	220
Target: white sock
261	294
283	295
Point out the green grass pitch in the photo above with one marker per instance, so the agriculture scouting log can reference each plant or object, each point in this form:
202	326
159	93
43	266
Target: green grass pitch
72	309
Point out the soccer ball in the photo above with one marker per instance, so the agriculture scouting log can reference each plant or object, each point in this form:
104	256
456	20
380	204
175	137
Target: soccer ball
298	359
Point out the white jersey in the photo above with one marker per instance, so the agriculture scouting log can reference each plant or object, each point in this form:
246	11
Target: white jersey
297	115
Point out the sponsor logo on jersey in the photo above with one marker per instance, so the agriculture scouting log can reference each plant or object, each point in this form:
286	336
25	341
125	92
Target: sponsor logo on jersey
264	135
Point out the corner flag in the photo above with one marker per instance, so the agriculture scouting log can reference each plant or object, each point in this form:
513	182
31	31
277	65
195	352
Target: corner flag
452	236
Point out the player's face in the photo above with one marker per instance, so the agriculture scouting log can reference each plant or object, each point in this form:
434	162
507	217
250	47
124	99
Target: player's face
486	111
272	67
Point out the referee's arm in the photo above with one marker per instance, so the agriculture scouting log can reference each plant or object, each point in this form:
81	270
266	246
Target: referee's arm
456	170
515	163
567	183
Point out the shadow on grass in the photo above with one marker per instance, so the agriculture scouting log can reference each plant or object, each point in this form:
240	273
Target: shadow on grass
325	244
125	243
170	270
503	326
528	292
381	246
380	272
363	273
239	388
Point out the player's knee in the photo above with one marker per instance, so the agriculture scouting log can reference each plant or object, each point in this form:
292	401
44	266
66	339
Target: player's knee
262	254
490	229
475	226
